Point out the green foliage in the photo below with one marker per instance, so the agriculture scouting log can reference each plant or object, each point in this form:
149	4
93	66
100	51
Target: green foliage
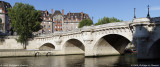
105	20
85	22
0	20
25	20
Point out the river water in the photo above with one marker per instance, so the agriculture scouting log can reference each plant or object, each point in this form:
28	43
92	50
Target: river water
75	61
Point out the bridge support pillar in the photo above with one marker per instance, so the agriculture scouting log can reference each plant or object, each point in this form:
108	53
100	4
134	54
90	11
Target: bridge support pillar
89	49
145	36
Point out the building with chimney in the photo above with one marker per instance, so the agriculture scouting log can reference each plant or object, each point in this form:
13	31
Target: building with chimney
5	23
47	23
58	19
67	22
72	20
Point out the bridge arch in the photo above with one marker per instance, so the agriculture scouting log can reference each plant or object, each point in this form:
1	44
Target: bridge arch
110	44
47	46
73	46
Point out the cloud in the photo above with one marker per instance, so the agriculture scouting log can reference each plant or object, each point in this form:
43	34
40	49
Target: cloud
155	8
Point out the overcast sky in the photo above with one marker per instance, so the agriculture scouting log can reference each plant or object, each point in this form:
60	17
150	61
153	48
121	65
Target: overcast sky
121	9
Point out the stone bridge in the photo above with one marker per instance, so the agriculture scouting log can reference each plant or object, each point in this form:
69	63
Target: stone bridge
106	39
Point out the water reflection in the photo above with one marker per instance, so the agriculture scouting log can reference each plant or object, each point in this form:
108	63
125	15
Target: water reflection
70	61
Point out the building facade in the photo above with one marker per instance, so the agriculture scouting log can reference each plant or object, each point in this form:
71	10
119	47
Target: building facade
58	19
5	24
47	23
72	20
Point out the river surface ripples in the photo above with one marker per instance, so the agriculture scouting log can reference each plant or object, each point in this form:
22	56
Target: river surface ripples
76	61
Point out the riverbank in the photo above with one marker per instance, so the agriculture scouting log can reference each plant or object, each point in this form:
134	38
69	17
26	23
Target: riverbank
23	53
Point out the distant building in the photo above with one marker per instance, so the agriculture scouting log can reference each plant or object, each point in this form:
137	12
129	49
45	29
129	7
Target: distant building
72	20
47	23
58	19
5	24
58	22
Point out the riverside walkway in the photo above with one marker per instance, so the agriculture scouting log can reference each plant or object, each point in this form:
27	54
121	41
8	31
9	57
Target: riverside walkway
22	52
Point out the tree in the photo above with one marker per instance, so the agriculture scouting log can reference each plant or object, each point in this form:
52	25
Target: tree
85	22
25	20
105	20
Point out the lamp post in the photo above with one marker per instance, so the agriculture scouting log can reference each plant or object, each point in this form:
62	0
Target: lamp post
148	16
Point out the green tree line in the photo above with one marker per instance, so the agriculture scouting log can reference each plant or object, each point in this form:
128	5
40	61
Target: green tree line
105	20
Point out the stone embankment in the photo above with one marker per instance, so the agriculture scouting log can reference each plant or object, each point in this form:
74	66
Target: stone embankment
21	52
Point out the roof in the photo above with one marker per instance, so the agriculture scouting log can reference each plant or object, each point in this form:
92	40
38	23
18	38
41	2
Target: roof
4	5
57	12
76	15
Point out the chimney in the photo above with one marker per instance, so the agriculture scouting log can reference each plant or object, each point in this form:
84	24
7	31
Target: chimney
69	14
63	12
82	14
46	12
52	11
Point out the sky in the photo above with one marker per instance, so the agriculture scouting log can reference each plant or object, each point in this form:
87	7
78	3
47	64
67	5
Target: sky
121	9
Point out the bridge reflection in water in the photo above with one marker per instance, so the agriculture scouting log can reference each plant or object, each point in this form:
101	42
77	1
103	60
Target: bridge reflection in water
72	61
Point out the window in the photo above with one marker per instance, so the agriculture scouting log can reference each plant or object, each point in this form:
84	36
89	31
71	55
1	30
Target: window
49	19
44	25
58	26
76	19
55	26
49	22
0	10
71	20
49	26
